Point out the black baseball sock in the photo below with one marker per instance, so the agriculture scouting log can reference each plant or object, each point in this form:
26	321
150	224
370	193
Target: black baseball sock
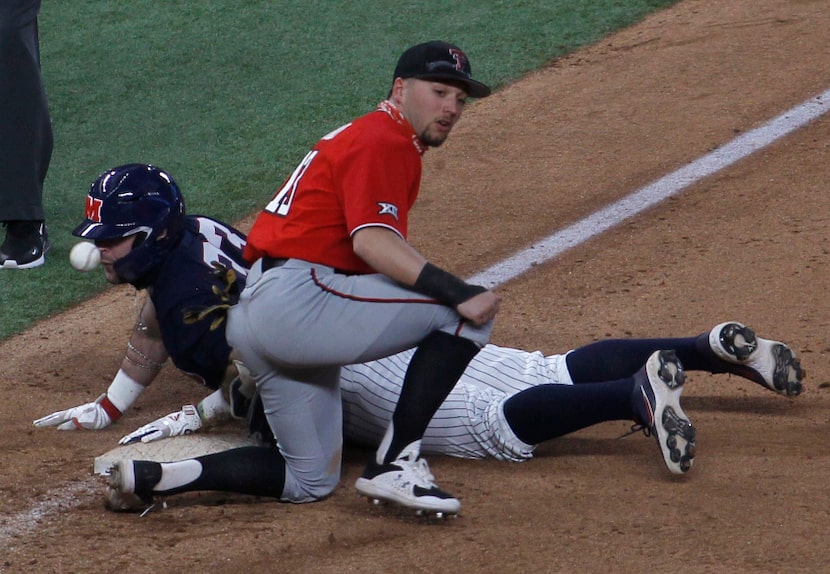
255	470
545	412
434	369
613	359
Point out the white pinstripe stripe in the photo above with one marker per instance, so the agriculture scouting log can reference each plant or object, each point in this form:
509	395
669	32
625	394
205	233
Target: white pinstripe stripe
469	422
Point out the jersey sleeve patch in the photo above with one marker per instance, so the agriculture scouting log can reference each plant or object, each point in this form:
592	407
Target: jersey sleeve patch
388	209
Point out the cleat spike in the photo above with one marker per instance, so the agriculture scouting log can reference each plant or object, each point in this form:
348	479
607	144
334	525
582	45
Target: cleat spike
770	364
656	400
408	483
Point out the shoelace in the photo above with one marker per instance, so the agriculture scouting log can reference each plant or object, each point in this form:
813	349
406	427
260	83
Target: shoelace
635	428
422	470
419	468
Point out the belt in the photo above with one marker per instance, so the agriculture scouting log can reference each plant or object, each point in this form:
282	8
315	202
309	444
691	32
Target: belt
271	262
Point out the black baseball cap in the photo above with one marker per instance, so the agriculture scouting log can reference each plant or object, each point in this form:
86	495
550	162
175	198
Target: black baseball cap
438	60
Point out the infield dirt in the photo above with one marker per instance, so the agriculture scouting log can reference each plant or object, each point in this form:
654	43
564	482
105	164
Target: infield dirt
750	243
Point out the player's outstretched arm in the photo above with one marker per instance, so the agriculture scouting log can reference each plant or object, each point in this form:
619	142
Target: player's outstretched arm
106	409
141	363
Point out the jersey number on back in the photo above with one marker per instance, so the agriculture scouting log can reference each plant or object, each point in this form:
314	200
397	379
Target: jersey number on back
222	245
281	204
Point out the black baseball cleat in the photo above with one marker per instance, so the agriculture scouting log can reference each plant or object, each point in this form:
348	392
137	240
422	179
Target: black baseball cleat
771	364
407	482
130	485
25	245
656	401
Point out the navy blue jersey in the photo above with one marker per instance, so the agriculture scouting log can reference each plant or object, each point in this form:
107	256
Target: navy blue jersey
184	280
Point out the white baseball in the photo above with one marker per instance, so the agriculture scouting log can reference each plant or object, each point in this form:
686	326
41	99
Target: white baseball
84	256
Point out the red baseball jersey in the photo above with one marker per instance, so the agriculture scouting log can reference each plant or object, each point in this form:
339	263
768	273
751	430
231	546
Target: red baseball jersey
366	173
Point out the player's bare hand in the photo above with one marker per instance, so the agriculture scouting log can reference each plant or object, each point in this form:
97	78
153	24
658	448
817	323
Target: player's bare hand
181	422
90	416
480	309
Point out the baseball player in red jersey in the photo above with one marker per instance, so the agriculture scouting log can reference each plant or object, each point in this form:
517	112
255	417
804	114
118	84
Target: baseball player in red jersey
338	272
335	282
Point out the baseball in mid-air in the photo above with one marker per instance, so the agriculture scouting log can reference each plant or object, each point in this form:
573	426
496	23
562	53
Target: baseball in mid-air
84	256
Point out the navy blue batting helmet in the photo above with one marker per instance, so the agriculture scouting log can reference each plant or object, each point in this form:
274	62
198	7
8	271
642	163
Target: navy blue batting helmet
135	199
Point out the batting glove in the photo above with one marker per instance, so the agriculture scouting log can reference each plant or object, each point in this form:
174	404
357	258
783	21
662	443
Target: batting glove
106	409
91	416
181	422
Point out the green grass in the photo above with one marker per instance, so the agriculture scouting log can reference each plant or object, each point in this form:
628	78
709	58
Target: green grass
228	95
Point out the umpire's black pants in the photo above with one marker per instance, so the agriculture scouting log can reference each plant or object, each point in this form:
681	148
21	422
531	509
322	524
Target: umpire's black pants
25	126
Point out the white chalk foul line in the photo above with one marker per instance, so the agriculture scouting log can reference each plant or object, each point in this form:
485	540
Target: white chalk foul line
655	192
16	526
19	525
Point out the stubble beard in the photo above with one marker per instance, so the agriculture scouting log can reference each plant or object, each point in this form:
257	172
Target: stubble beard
431	141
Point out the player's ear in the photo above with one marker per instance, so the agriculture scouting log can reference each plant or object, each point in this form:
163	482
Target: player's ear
396	93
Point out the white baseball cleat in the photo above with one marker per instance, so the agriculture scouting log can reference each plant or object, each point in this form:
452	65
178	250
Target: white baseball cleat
656	400
130	485
407	482
769	363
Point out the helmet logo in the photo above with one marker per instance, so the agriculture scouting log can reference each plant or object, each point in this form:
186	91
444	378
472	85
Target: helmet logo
93	209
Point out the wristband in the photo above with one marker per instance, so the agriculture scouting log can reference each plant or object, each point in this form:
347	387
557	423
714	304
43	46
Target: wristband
112	412
446	287
121	394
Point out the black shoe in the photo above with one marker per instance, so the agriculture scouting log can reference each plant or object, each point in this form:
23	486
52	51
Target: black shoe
25	246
